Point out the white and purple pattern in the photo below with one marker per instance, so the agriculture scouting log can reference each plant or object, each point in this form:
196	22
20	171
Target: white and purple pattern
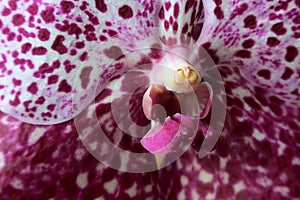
255	44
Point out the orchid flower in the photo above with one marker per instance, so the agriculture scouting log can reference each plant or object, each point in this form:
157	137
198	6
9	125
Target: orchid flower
71	70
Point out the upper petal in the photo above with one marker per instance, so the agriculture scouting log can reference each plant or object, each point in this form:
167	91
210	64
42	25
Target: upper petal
50	67
261	37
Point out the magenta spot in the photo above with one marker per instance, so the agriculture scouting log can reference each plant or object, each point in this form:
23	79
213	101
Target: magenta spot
101	6
166	25
66	6
287	73
16	100
48	15
252	103
219	13
278	28
168	5
52	79
272	42
43	34
51	107
80	45
247	44
1	24
114	52
12	4
161	13
102	38
11	36
112	33
85	76
176	10
243	54
39	51
18	20
64	87
291	53
83	56
16	82
175	26
5	12
189	4
33	9
89	28
250	22
32	88
297	2
73	52
185	28
40	100
266	74
58	45
125	12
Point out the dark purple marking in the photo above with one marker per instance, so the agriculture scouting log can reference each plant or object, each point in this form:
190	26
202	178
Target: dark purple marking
5	12
80	45
1	23
33	9
189	4
297	2
252	103
250	22
287	73
16	101
64	87
166	25
58	45
112	33
185	28
114	52
16	82
13	5
48	15
32	88
176	10
243	54
278	28
161	13
101	6
218	2
239	10
83	56
51	107
265	73
247	44
168	5
272	42
39	51
69	67
125	12
18	20
102	38
219	13
52	79
85	76
40	100
175	26
291	53
66	6
43	34
11	36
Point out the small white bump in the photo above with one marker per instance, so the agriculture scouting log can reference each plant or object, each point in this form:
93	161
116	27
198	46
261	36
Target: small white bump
181	195
184	180
205	177
81	180
35	135
2	160
111	186
132	191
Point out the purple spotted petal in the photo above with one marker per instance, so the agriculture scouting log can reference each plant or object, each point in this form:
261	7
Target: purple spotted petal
261	38
50	66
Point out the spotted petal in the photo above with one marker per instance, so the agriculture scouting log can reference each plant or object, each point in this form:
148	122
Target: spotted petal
261	37
50	67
